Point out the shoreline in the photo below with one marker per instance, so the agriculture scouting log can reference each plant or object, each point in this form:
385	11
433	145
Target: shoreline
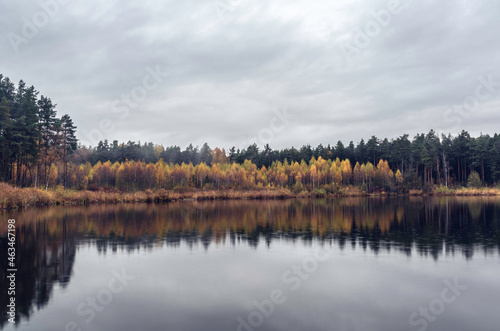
15	198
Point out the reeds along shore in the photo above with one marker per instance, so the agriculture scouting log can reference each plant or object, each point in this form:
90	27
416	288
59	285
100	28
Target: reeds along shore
13	197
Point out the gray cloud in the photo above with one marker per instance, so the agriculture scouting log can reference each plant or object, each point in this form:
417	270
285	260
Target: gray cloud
227	76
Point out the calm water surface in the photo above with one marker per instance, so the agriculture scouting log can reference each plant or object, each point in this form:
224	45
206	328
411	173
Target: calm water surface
350	264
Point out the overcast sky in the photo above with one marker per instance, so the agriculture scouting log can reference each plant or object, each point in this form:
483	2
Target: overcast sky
225	69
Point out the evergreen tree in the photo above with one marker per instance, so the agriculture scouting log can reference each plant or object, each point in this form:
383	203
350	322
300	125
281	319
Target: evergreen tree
69	142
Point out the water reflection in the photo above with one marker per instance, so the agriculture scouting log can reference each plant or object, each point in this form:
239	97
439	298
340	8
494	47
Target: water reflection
44	258
48	237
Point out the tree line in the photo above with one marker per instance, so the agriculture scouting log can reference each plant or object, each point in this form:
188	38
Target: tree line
32	138
317	174
424	161
39	149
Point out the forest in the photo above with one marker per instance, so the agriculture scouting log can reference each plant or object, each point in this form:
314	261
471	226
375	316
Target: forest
32	138
39	149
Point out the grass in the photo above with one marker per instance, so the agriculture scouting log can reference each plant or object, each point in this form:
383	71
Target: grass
464	191
484	191
14	197
416	193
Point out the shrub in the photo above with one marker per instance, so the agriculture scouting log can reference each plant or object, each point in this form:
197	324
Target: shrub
298	187
319	192
443	190
474	181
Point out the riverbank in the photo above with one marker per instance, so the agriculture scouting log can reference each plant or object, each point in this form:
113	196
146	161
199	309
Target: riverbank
14	197
463	191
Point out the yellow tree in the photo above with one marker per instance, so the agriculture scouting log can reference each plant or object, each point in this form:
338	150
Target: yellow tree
219	156
298	178
384	174
322	168
346	171
215	174
149	176
314	174
399	179
369	174
160	174
357	174
189	172
262	177
337	162
121	177
336	174
201	172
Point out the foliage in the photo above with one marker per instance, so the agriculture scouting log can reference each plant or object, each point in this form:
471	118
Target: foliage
37	149
32	138
474	181
426	160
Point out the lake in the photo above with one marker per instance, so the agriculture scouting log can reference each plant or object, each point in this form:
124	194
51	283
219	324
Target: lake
346	264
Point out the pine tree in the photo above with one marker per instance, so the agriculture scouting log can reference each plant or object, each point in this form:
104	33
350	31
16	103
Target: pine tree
69	142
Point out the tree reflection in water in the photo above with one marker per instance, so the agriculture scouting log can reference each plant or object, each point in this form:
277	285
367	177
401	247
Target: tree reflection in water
47	237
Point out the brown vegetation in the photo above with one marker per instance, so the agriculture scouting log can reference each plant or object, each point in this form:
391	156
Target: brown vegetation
14	197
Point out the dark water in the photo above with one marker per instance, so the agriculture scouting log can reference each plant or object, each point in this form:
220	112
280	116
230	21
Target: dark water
351	264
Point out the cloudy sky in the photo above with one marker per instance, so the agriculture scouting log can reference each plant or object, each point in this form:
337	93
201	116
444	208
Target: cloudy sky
284	72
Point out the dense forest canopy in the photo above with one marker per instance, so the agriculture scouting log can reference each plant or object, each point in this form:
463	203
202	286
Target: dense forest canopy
39	149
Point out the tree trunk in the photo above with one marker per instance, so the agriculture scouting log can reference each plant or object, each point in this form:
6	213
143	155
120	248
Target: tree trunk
482	170
445	166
